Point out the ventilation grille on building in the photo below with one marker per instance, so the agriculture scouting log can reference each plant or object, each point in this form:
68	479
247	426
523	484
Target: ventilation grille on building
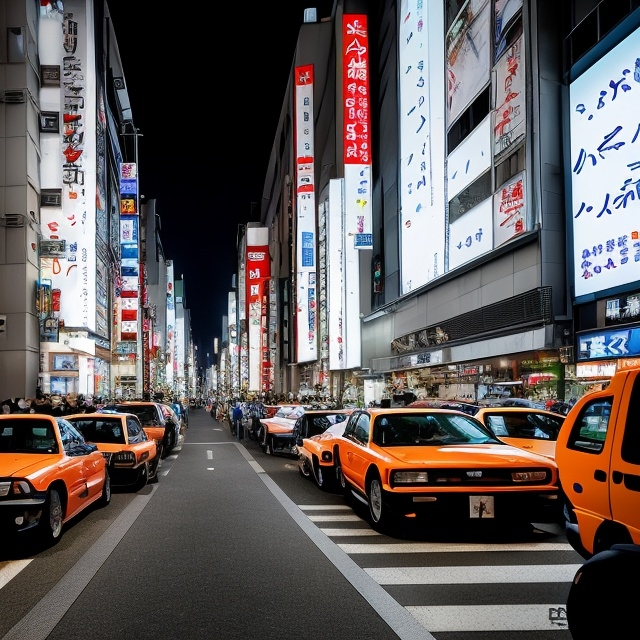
13	220
51	198
532	308
13	95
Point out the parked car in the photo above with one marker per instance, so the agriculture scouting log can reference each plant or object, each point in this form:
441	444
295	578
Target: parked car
282	423
132	456
443	465
48	474
531	429
314	435
435	403
154	414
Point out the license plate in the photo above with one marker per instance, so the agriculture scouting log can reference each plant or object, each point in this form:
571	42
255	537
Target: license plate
481	507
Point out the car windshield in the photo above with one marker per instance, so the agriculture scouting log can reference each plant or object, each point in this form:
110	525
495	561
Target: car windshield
401	430
538	426
100	430
146	414
27	436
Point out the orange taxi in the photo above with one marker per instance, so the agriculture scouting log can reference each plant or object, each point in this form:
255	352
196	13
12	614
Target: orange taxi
314	435
48	474
441	464
530	429
132	456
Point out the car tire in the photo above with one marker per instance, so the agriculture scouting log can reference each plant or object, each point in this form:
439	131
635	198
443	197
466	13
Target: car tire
318	474
378	513
303	468
51	520
105	498
143	477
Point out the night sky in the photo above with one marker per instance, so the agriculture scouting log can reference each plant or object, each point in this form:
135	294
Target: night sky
206	91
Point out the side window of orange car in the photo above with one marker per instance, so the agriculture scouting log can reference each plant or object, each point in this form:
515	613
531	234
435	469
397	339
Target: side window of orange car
631	440
361	432
590	429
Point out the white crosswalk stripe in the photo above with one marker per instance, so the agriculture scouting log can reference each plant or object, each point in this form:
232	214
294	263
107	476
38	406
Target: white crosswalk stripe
464	616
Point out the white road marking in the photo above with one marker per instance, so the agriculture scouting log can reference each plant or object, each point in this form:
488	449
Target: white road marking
11	569
518	574
209	454
534	617
434	547
345	518
347	533
324	507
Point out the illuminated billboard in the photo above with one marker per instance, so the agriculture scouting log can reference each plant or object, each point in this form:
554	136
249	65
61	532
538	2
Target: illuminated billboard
605	139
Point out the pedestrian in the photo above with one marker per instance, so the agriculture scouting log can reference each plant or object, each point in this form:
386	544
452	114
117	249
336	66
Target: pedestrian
237	420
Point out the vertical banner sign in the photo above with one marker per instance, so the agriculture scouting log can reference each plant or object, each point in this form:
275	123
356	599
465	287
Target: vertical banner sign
357	129
258	275
171	327
127	285
70	156
306	296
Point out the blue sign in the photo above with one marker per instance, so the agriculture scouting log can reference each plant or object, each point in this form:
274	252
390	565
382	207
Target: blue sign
612	343
363	241
308	248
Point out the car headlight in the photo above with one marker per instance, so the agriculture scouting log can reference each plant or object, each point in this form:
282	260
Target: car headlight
529	476
409	477
15	488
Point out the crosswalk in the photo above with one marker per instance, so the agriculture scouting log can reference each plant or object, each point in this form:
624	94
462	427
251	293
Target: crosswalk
476	588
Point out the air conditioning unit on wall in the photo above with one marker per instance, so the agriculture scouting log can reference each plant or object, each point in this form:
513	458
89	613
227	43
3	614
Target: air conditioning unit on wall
11	220
15	96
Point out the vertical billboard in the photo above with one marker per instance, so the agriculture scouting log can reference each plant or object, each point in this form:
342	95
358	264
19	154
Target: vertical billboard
69	156
306	289
605	137
422	143
336	276
170	360
258	274
357	129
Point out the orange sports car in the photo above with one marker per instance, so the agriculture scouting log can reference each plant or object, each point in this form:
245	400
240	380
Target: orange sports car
132	456
314	435
523	427
48	474
441	464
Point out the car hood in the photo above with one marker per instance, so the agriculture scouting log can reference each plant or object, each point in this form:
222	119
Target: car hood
279	425
477	455
23	465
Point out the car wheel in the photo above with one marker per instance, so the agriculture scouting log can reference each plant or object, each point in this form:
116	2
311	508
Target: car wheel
318	474
105	498
50	524
143	477
303	468
153	470
377	509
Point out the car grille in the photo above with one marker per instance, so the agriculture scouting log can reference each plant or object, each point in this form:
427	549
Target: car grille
479	478
107	456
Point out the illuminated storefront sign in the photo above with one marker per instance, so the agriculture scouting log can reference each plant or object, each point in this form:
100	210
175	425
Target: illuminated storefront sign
609	343
306	289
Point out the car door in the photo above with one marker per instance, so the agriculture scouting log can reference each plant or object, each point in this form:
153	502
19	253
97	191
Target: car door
625	459
80	468
355	460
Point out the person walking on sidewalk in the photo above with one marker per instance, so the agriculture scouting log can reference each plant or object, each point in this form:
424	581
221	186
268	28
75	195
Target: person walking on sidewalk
237	420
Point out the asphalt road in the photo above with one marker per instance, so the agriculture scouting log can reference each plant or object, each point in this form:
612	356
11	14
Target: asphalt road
214	550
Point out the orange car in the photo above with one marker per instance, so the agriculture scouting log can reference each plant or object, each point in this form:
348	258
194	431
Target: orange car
132	456
158	415
442	464
48	474
526	428
314	435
